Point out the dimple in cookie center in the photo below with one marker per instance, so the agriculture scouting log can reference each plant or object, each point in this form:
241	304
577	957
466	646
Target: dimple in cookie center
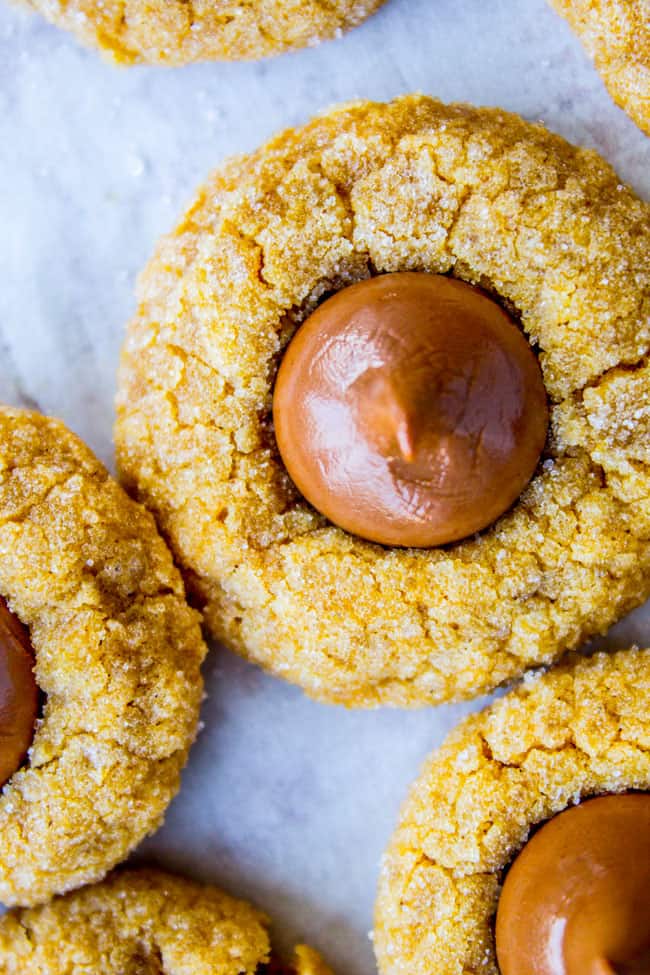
18	693
410	410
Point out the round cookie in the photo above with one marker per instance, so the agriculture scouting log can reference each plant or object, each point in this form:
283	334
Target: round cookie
175	32
117	654
616	34
578	731
145	921
367	188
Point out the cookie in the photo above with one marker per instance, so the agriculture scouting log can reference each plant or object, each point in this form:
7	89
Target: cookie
117	653
175	32
144	921
617	36
478	195
578	731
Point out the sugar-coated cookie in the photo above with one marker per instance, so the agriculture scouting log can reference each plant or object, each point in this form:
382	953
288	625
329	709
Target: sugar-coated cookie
89	583
551	235
579	731
175	32
145	921
616	33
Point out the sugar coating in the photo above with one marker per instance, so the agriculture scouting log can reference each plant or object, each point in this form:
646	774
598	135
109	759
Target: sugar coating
175	32
142	922
366	188
118	653
580	730
616	33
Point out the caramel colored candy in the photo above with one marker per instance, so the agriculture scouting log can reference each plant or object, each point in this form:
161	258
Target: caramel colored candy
409	409
18	693
576	901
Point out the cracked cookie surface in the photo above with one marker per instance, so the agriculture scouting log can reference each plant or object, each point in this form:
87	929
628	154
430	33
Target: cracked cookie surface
616	34
175	32
364	189
144	922
118	654
578	731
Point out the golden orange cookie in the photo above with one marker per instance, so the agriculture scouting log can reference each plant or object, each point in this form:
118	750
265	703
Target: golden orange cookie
580	730
117	654
175	32
616	34
145	921
544	228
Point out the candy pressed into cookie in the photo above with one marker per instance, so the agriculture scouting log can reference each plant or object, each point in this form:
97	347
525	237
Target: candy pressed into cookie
99	660
176	32
145	921
616	33
519	263
575	898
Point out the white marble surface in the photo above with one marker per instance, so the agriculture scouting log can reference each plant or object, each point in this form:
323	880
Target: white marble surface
284	801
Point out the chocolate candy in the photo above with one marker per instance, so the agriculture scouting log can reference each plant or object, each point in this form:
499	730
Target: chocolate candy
18	692
576	901
410	409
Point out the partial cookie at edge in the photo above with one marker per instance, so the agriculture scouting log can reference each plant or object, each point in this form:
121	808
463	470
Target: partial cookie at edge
616	34
118	654
176	32
142	920
577	731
